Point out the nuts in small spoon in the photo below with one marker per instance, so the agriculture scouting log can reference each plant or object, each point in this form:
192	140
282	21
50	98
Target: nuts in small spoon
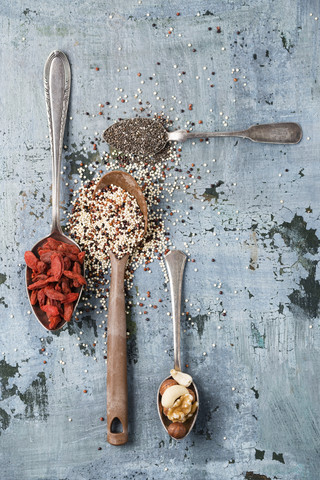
182	409
171	394
183	379
177	430
193	394
166	384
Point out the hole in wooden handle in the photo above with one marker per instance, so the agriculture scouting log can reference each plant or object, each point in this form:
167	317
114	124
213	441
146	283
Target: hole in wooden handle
116	426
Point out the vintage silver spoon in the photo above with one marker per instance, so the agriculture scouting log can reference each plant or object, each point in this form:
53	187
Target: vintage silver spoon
57	83
175	263
145	136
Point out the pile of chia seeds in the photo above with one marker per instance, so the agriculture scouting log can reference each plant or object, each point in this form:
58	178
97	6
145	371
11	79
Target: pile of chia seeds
136	136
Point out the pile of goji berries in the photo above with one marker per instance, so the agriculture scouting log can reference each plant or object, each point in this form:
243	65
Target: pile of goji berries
55	275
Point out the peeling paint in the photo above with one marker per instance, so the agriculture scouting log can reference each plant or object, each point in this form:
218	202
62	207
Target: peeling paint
211	193
256	393
4	420
255	476
7	372
304	242
259	454
286	43
199	321
36	398
278	457
297	236
257	337
307	297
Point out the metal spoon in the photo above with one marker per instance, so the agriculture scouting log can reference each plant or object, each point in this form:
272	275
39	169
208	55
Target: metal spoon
175	263
117	389
57	83
146	136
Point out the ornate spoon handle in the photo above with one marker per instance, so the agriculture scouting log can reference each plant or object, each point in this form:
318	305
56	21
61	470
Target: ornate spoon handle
279	133
57	83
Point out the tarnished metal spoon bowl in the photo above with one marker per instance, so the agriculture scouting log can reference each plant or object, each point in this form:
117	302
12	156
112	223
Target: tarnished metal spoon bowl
164	419
145	136
57	83
40	314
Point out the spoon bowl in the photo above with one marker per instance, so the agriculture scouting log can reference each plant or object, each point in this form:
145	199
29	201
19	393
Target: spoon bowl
40	314
164	419
117	389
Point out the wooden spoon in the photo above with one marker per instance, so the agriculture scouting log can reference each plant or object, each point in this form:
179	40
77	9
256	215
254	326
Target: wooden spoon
117	389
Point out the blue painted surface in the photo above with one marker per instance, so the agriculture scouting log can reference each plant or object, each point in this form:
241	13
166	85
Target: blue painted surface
259	387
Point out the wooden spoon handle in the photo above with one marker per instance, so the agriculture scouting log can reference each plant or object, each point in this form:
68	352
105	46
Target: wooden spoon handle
117	388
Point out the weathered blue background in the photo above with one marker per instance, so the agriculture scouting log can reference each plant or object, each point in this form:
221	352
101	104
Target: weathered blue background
259	385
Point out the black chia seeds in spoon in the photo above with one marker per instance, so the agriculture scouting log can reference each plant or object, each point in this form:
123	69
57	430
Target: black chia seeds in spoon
137	136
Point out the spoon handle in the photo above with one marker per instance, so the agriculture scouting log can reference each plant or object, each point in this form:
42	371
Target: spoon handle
117	388
175	263
278	133
57	83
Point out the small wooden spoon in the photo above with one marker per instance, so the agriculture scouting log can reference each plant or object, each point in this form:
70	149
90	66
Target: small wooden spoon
117	389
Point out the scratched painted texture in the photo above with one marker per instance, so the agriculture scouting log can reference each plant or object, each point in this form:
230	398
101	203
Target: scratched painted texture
256	212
